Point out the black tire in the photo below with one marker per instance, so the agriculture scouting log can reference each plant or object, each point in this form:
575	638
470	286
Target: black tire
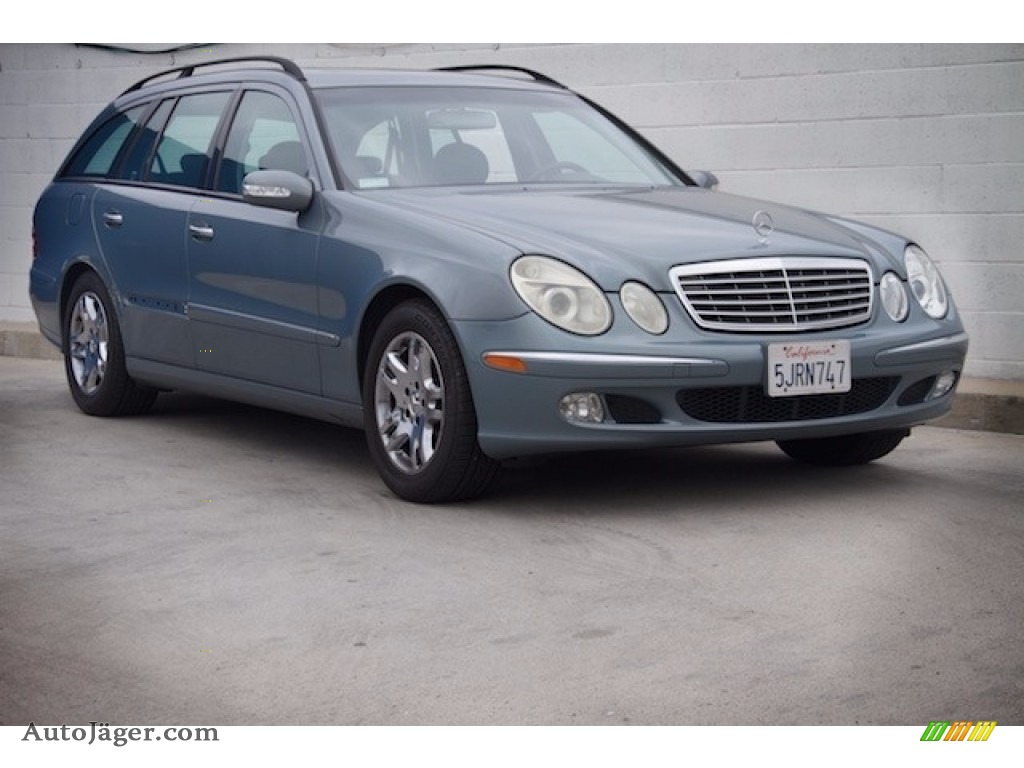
844	450
94	354
416	398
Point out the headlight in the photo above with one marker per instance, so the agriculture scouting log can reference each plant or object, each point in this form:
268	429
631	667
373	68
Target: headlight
644	307
562	295
894	296
925	282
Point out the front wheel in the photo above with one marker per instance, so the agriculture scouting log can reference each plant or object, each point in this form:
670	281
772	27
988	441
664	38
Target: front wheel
844	450
420	421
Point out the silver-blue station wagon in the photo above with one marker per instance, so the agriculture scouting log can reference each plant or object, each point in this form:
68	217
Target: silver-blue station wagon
471	265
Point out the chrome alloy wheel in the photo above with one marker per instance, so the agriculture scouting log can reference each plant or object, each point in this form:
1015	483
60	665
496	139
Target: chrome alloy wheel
409	402
89	340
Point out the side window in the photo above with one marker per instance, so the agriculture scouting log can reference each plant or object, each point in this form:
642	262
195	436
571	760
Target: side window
182	156
133	167
263	136
96	157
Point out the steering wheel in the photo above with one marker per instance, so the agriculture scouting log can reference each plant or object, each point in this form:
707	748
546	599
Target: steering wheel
556	171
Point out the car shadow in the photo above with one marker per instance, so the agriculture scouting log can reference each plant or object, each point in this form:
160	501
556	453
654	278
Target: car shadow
731	476
315	443
720	476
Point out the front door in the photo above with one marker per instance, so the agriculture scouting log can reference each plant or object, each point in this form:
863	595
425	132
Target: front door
252	271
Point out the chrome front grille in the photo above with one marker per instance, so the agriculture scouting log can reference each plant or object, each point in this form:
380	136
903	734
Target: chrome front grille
787	293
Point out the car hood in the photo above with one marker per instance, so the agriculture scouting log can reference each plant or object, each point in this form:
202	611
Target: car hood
618	234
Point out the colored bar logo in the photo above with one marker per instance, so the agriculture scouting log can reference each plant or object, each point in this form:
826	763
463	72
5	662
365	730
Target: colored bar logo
959	730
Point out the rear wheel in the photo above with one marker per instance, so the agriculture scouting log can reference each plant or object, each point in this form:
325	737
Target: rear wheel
94	354
421	425
844	450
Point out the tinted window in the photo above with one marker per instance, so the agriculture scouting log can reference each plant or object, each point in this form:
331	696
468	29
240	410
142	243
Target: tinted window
97	155
263	135
134	165
182	155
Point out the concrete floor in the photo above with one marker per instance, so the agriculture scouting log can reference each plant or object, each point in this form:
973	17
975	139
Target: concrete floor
216	564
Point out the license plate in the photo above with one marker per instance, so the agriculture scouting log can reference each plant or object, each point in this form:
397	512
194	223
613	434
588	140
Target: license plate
808	368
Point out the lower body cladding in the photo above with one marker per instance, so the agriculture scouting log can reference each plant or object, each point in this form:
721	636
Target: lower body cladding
531	401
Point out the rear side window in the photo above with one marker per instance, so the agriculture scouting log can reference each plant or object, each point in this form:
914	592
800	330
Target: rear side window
182	156
96	157
133	167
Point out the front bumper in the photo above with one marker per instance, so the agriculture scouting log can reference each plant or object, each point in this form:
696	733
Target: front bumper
705	390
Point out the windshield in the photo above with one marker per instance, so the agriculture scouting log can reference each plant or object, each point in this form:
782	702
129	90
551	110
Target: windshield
439	136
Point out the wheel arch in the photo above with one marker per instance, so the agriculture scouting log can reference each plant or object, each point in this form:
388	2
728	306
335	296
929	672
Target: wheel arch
378	308
455	468
71	276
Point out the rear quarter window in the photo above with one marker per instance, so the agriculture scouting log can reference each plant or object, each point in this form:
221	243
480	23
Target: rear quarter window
97	155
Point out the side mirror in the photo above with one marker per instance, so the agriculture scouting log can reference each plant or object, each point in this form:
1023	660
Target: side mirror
284	190
705	179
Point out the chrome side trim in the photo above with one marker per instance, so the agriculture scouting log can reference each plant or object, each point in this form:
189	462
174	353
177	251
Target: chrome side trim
611	366
925	351
202	313
586	358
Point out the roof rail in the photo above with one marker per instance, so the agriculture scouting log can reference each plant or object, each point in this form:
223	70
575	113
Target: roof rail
538	76
289	66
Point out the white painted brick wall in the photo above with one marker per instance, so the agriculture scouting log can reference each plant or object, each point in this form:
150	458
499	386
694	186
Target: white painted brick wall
927	140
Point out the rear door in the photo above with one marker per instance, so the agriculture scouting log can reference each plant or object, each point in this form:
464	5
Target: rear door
141	223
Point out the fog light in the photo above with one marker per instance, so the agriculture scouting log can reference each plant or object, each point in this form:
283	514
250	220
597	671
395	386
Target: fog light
582	408
943	383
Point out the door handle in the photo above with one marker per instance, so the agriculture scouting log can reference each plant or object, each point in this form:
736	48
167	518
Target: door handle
113	218
201	231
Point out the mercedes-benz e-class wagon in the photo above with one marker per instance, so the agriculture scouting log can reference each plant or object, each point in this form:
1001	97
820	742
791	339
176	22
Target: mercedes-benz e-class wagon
471	265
